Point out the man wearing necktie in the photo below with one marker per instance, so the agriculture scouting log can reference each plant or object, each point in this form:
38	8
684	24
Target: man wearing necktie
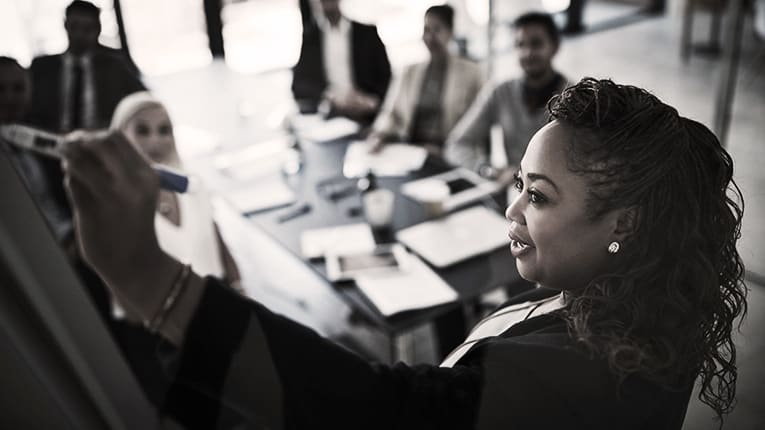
79	88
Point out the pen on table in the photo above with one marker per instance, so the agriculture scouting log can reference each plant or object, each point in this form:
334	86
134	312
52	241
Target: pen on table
295	212
49	144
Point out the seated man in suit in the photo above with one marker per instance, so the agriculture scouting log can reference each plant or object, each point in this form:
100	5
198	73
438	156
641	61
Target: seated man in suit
79	88
343	68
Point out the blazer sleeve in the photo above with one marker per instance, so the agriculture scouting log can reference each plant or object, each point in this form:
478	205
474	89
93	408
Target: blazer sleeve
45	106
468	143
308	76
389	123
381	67
271	371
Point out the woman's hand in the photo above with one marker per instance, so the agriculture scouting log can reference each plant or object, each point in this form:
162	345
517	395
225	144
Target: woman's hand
113	191
375	144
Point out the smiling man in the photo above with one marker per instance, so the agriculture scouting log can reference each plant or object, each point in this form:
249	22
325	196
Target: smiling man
517	105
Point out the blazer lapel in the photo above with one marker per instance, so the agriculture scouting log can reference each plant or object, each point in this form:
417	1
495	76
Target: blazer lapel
412	96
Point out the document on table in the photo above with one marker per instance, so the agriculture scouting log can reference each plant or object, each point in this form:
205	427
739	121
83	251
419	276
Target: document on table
268	192
343	239
416	287
395	159
317	129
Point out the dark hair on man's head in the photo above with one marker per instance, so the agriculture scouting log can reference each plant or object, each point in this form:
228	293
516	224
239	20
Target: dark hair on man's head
544	20
666	308
83	7
444	12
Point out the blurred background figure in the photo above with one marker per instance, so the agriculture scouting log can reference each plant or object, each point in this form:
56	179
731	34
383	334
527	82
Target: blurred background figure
15	91
184	222
343	68
517	105
15	97
79	88
431	96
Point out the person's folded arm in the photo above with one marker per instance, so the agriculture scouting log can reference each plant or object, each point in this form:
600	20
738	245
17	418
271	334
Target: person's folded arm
468	143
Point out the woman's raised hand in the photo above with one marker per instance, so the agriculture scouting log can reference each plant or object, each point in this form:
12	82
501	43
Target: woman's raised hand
113	191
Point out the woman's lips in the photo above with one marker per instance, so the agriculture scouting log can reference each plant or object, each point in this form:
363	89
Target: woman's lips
518	246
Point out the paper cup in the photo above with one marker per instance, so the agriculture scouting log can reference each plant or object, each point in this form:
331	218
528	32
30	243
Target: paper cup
432	195
378	207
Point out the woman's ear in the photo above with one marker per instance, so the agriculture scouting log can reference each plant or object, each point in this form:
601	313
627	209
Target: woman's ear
626	222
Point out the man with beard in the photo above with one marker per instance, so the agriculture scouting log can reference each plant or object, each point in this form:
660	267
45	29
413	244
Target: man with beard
517	105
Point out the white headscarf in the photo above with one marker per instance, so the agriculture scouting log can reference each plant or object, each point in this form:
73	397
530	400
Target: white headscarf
129	106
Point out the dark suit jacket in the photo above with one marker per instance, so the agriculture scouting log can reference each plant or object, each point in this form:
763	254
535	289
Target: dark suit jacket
371	69
240	358
113	79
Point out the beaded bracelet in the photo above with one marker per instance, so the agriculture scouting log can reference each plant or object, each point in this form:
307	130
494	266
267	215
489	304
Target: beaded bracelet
172	297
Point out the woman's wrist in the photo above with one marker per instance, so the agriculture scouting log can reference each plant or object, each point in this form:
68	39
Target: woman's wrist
164	294
176	322
143	288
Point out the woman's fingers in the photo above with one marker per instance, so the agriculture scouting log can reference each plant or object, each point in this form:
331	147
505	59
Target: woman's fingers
113	191
83	165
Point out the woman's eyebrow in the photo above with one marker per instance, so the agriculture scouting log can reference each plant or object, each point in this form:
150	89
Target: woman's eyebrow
540	177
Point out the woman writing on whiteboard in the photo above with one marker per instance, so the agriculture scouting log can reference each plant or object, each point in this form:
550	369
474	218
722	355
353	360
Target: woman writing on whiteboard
627	214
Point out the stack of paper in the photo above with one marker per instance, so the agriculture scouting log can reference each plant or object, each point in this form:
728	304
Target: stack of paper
344	239
395	159
416	287
268	192
257	160
315	128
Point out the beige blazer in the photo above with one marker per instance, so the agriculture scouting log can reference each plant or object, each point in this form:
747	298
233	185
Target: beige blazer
463	81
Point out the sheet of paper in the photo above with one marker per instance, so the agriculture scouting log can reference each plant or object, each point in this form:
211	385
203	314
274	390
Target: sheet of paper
344	239
268	192
395	159
317	129
416	287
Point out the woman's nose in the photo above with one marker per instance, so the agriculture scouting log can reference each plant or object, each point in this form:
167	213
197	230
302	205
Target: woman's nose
514	211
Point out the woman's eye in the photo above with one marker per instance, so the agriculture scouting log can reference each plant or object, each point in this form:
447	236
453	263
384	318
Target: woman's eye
518	185
535	197
518	182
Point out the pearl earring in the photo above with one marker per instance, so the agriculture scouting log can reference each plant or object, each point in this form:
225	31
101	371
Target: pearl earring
613	247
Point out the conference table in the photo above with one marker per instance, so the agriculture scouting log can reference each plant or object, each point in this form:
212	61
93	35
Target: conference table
335	200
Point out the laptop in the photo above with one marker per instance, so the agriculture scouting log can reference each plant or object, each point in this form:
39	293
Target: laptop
457	237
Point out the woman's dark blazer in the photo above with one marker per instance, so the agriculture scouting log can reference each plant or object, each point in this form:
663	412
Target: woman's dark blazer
241	360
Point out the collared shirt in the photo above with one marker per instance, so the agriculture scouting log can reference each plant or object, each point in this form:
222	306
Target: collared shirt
500	321
337	55
88	101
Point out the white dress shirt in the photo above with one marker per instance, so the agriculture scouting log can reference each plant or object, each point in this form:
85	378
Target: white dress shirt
337	56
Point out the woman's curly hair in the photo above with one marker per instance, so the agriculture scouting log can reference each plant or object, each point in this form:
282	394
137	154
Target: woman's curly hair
666	309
